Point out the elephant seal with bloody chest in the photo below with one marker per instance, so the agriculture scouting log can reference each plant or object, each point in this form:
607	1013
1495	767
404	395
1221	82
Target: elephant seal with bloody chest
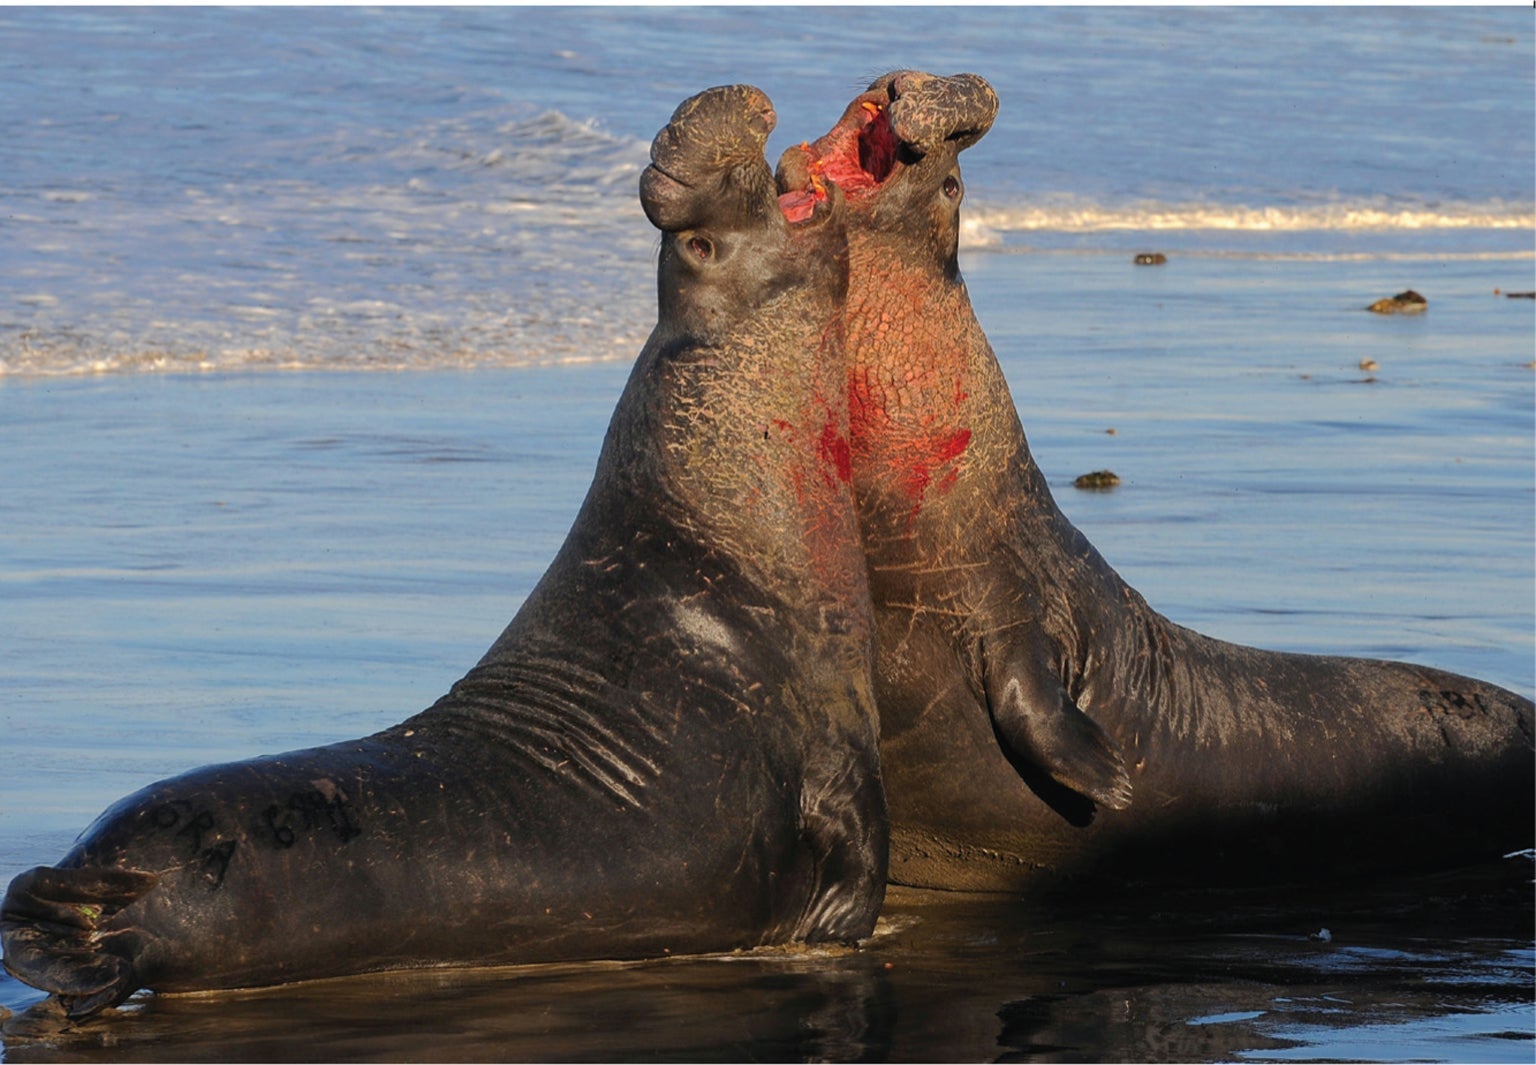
672	747
1037	716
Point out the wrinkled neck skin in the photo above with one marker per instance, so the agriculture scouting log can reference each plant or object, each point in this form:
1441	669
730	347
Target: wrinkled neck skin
733	427
932	420
749	412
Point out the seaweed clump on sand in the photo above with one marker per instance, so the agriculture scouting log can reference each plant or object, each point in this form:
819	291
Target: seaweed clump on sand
1406	302
1097	481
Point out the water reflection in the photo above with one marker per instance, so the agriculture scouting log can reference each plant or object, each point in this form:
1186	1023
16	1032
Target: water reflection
1432	967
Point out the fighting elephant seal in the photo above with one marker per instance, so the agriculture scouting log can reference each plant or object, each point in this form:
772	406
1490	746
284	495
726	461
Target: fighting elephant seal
1023	686
670	749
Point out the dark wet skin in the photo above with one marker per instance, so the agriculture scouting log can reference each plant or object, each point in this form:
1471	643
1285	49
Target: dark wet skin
672	747
1038	718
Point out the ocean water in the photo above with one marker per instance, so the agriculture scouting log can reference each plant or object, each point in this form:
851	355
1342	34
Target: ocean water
217	189
219	536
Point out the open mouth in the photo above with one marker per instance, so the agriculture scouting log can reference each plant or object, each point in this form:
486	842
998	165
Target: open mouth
858	155
859	152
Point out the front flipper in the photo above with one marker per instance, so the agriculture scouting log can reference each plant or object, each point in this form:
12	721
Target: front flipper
845	832
53	926
1059	751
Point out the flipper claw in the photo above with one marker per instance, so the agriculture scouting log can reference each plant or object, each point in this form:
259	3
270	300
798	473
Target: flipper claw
52	925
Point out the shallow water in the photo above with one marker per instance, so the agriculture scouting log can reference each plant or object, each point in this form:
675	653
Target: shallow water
209	565
1434	968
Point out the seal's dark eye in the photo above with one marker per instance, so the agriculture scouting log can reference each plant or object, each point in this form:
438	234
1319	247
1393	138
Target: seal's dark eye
951	187
701	247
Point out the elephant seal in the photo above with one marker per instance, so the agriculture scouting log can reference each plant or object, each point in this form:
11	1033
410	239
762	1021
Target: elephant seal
671	748
1038	718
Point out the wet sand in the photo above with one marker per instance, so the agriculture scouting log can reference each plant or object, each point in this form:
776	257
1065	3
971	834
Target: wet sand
1428	968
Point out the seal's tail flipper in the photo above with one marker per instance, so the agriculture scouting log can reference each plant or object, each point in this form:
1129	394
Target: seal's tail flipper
52	923
1054	745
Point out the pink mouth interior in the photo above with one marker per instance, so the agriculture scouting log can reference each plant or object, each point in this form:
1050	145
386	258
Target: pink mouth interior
798	206
860	152
857	154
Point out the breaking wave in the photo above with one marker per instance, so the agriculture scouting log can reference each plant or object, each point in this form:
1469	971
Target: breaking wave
1070	216
491	238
